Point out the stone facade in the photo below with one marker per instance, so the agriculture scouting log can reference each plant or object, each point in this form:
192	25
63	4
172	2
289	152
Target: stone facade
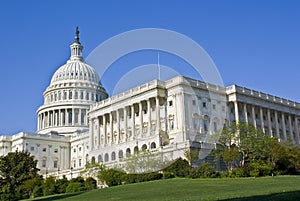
79	123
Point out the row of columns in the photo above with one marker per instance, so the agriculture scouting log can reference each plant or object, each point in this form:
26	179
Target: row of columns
71	95
277	116
62	117
128	113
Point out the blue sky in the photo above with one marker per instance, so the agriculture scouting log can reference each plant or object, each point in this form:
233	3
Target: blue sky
255	44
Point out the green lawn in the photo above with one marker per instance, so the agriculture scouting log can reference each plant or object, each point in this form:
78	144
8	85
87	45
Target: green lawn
267	188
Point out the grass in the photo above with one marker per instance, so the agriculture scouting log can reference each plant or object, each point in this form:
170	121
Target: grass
239	189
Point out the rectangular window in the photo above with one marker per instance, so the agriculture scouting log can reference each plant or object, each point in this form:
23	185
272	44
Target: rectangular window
214	106
204	104
170	103
31	148
44	163
79	163
194	102
44	150
55	150
55	164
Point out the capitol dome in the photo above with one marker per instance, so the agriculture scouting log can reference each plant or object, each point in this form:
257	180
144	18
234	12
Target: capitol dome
73	88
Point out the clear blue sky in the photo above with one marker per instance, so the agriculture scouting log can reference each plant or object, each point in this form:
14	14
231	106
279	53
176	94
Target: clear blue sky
253	43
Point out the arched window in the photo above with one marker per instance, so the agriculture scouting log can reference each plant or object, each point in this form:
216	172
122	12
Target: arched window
206	123
135	150
144	147
113	156
106	157
153	145
120	154
100	160
128	152
93	160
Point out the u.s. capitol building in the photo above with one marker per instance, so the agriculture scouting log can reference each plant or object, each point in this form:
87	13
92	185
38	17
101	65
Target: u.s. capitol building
79	123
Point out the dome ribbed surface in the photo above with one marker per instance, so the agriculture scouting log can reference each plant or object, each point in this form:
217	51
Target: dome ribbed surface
75	71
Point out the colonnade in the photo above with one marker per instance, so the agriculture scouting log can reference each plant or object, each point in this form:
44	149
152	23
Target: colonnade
139	120
274	123
62	117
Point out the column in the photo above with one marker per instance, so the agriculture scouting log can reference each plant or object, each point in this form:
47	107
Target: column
125	123
262	123
283	126
73	116
133	121
91	128
98	131
141	118
276	125
157	115
297	130
236	112
149	117
118	126
104	130
246	113
270	123
111	127
291	129
59	118
79	117
253	116
67	117
38	123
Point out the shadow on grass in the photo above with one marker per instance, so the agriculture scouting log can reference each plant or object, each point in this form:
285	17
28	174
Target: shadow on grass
286	196
58	197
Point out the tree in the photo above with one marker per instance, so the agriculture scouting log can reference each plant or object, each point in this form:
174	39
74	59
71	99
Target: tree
144	162
15	169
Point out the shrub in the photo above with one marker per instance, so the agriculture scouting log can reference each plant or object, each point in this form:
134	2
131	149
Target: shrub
90	183
75	187
205	170
180	168
168	175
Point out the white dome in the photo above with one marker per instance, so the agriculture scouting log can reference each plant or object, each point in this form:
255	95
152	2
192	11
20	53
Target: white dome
75	70
73	88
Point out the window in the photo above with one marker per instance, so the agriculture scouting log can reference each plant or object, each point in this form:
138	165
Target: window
215	127
214	106
79	148
55	150
194	102
44	162
204	104
170	103
44	149
74	163
55	164
223	108
113	156
74	150
31	148
79	163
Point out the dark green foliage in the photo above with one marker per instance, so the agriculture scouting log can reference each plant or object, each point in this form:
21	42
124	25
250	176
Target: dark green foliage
49	187
168	175
180	168
75	187
90	183
61	185
16	169
205	170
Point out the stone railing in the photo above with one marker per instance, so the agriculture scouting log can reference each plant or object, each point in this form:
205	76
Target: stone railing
261	95
127	94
